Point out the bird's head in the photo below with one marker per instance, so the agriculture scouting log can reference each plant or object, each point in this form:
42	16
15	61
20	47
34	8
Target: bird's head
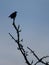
16	12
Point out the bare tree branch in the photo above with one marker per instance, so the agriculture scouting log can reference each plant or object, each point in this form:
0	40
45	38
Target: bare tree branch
39	60
13	38
33	53
32	62
20	46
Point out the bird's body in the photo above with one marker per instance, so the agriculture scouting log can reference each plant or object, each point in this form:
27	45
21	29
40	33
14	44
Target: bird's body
13	15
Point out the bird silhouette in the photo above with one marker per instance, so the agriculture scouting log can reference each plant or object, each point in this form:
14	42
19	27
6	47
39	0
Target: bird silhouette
13	15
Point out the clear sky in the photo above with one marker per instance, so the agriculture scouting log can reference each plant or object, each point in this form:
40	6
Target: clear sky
33	17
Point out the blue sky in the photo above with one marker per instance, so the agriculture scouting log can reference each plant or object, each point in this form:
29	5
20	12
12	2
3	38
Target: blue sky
33	17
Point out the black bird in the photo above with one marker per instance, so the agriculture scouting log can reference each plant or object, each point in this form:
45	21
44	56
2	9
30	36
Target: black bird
13	15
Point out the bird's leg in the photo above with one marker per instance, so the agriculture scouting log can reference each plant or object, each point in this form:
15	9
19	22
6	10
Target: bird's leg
14	20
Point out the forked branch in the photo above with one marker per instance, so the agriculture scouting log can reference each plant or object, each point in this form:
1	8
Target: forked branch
39	59
20	46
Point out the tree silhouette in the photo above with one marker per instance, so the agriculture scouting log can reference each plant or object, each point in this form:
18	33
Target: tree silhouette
20	46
